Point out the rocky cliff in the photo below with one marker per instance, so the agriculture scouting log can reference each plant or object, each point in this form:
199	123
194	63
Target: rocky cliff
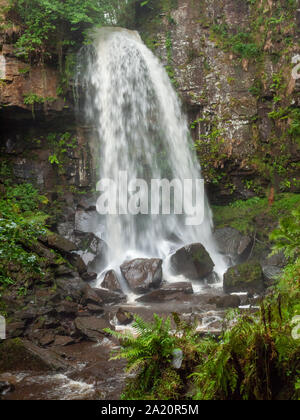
232	63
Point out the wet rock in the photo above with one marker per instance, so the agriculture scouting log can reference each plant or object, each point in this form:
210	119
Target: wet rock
61	341
245	277
229	301
27	315
22	355
124	317
95	309
77	262
59	243
15	329
47	339
67	308
111	282
168	292
90	296
93	250
142	274
71	287
88	277
109	297
92	327
192	261
232	243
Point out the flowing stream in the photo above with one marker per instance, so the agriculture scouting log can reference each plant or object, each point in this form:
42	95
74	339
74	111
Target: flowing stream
142	130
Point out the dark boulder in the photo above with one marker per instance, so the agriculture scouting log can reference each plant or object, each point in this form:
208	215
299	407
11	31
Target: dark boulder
124	317
232	243
93	250
142	274
245	277
192	261
109	297
92	328
168	292
111	282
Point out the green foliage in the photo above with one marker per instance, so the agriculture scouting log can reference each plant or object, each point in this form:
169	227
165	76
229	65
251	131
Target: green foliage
149	355
53	26
242	214
254	359
21	223
149	352
241	44
287	236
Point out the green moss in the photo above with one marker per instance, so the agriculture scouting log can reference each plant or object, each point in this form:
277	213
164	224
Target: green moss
246	215
244	277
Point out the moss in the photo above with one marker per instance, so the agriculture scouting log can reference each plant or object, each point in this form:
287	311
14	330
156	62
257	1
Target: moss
244	277
255	214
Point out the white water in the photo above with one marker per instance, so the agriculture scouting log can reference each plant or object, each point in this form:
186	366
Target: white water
141	129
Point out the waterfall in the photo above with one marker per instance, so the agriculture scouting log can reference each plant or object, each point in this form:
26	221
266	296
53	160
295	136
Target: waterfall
142	130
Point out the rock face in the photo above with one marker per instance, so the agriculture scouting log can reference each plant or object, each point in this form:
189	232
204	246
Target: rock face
246	277
221	89
192	261
233	244
168	292
142	274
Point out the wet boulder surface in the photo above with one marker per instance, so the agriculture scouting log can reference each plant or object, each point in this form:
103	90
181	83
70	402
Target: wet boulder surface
142	274
193	262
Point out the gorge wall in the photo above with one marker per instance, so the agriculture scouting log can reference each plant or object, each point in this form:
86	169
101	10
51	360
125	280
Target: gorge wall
231	62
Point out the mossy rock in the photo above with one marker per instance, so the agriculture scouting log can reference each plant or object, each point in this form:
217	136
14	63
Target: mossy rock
246	277
192	261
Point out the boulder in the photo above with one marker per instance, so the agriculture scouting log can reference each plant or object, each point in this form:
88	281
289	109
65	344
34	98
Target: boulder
108	297
92	327
192	261
245	277
233	244
90	296
22	355
124	317
142	274
168	292
59	243
111	282
93	250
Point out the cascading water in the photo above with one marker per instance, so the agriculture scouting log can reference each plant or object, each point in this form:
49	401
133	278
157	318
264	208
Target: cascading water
142	130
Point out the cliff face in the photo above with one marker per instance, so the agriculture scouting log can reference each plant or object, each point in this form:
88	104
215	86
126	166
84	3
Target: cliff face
40	140
231	62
